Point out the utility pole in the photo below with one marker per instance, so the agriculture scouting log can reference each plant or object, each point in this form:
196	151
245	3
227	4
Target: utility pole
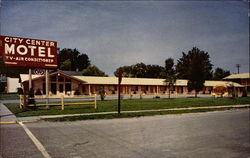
238	67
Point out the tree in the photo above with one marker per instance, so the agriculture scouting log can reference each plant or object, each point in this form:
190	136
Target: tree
155	71
170	74
78	60
219	73
93	71
126	71
196	67
169	66
141	70
66	65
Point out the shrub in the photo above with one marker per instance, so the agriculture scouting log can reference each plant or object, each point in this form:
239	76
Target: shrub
77	92
3	87
140	96
102	94
20	91
31	99
131	96
38	92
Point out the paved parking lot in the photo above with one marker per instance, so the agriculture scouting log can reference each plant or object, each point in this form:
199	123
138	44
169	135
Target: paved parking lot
212	134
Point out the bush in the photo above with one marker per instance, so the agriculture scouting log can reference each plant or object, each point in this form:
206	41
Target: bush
140	96
102	94
3	87
38	92
31	99
20	91
131	96
77	92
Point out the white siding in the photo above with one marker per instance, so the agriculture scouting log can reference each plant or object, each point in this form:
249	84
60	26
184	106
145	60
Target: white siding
12	85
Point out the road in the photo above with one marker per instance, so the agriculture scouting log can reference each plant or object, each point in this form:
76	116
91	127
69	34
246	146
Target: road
222	134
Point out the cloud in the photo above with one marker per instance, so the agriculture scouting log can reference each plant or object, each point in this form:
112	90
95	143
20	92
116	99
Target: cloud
122	33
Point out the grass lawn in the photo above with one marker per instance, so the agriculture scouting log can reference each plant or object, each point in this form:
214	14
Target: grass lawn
130	105
9	96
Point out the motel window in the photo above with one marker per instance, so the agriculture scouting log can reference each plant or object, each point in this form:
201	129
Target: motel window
111	88
162	88
144	88
67	87
67	80
84	89
60	88
60	79
53	78
53	88
134	88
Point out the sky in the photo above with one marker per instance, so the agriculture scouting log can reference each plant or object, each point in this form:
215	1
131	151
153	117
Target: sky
119	33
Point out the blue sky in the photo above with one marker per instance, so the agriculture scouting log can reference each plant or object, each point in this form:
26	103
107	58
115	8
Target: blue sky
118	33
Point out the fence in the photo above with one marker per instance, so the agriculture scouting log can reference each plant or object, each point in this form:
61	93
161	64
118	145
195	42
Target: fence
24	104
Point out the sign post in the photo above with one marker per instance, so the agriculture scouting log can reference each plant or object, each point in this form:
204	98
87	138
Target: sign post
119	91
47	87
30	79
30	53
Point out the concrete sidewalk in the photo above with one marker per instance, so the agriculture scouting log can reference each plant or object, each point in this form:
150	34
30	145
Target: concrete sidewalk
6	115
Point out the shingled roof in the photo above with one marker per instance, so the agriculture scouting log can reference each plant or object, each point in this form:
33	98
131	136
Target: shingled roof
94	80
238	76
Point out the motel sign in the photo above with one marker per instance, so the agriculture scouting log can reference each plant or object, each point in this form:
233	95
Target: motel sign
26	52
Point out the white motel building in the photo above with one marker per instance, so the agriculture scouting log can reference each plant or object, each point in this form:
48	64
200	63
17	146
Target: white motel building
68	83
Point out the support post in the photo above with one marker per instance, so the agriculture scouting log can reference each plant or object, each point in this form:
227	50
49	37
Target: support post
89	90
95	102
119	98
62	101
30	79
21	102
47	87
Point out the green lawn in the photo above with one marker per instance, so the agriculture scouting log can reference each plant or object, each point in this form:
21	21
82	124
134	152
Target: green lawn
8	96
129	105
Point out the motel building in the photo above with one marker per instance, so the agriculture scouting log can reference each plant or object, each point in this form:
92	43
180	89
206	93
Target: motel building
70	83
242	78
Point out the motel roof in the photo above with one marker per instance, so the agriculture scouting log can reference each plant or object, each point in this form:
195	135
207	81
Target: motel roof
238	76
94	80
210	83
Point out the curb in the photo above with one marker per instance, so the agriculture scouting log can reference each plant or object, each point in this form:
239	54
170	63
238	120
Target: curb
112	112
15	122
156	110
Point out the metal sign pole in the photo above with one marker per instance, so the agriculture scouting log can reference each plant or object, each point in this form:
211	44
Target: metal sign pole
119	91
47	87
30	79
119	98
